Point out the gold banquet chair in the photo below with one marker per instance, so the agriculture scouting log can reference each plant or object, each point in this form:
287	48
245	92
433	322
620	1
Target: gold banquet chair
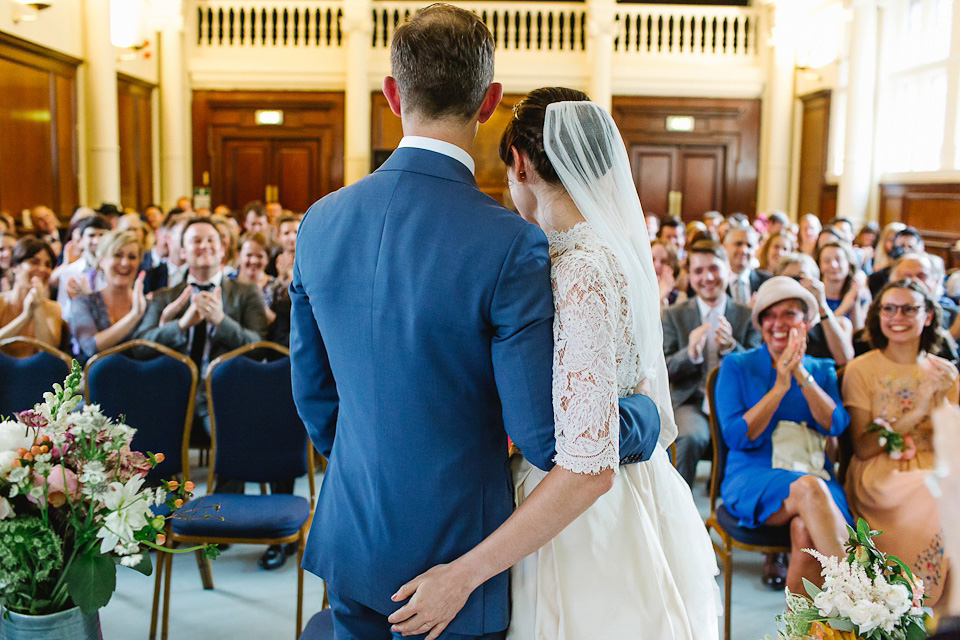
732	535
257	436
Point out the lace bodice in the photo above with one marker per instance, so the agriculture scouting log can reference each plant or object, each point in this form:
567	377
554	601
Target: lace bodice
595	357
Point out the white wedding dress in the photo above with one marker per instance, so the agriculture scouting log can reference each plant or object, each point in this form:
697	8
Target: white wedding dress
638	563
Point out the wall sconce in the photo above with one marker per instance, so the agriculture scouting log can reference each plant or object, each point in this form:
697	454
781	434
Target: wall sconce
128	23
32	7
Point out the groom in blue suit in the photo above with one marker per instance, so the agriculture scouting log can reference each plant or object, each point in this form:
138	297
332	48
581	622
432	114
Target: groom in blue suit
421	336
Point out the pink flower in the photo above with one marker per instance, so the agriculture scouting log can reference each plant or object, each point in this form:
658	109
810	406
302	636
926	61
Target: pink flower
61	484
128	463
32	419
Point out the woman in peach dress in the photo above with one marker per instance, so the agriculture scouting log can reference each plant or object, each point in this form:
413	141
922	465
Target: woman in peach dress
898	383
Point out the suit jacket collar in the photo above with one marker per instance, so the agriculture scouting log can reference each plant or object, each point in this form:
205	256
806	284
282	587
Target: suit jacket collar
428	163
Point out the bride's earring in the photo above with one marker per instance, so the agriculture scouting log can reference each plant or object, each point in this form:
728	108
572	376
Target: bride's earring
521	175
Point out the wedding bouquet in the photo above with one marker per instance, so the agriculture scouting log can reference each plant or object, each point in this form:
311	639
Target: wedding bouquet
897	445
73	505
867	595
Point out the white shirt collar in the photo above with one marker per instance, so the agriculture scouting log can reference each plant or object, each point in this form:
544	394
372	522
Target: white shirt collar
705	308
439	146
743	276
216	280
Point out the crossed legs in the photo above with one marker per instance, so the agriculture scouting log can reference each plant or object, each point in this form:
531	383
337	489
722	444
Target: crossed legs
815	523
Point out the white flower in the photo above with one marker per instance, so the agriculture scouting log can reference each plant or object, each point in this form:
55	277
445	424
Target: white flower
6	509
895	596
131	561
18	475
93	472
13	436
882	441
895	454
128	513
867	616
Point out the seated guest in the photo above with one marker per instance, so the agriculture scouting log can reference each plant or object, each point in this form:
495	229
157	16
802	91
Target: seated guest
776	245
230	241
696	335
777	222
667	267
899	382
26	309
807	233
776	406
832	337
905	240
673	231
81	277
276	296
46	226
844	283
173	269
653	225
922	269
740	244
7	242
282	263
866	242
206	315
106	318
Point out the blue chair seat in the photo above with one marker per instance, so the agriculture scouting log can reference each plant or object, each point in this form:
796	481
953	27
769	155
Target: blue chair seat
320	626
242	516
760	537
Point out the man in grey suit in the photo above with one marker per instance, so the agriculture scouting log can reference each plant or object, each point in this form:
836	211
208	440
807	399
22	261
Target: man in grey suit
696	335
206	315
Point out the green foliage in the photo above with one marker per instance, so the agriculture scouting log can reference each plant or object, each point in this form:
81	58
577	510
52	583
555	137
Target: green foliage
30	553
91	580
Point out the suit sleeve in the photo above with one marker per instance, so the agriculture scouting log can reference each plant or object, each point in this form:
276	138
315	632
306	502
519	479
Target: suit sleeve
679	364
168	334
521	312
314	388
249	328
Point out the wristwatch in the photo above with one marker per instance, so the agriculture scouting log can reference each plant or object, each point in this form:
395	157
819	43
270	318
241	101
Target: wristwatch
807	380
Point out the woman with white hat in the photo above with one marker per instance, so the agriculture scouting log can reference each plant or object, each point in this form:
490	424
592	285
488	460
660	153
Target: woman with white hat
776	407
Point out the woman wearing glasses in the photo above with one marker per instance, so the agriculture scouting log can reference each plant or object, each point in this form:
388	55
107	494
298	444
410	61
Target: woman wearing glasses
894	387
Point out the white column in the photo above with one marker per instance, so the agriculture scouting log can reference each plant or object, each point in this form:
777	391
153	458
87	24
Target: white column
776	119
600	31
174	180
358	109
100	106
854	192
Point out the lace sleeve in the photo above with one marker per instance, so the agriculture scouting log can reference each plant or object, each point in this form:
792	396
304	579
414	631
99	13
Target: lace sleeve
585	406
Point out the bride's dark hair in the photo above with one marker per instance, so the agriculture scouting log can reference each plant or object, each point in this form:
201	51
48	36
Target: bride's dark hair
525	131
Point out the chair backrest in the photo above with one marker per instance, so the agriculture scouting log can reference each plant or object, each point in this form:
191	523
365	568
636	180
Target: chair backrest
23	381
256	431
844	440
719	463
154	388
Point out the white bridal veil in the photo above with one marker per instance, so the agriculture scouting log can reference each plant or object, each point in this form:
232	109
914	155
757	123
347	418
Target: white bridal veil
586	150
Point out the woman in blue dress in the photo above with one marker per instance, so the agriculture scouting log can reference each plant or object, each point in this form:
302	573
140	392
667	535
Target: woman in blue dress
776	407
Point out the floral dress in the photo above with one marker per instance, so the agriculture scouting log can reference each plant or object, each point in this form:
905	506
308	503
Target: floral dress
638	563
891	494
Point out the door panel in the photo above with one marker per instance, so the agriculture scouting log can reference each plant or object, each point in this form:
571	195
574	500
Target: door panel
653	168
701	180
295	173
246	169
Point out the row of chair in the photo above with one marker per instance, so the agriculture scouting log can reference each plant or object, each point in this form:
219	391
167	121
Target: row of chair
255	431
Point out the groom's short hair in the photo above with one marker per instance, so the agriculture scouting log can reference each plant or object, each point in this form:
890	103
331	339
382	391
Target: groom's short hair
442	61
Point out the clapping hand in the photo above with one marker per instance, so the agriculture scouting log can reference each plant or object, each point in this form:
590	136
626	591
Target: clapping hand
210	305
173	309
938	377
77	286
724	335
697	341
436	597
139	305
790	360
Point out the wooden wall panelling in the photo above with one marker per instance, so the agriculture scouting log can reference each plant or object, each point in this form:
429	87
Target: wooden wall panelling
309	140
38	148
814	136
136	152
933	209
730	125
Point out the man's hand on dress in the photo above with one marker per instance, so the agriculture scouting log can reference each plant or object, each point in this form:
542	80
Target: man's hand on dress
436	597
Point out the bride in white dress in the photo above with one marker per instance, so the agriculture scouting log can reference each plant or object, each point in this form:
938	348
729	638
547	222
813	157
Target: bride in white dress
637	563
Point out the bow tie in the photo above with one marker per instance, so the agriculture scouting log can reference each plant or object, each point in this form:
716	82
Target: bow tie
209	286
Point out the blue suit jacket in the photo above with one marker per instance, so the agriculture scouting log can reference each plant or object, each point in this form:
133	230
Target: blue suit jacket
421	335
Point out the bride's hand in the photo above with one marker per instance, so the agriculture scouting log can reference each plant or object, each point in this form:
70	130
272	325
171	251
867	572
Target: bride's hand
645	387
436	597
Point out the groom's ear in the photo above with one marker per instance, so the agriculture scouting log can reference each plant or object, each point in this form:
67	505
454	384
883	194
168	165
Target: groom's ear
392	93
490	101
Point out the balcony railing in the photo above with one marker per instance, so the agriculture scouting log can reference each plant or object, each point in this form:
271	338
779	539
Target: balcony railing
645	30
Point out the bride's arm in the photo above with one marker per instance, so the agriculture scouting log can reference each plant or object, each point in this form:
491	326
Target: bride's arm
587	421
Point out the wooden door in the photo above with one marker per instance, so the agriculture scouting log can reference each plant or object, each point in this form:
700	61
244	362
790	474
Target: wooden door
695	172
134	114
246	172
280	170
